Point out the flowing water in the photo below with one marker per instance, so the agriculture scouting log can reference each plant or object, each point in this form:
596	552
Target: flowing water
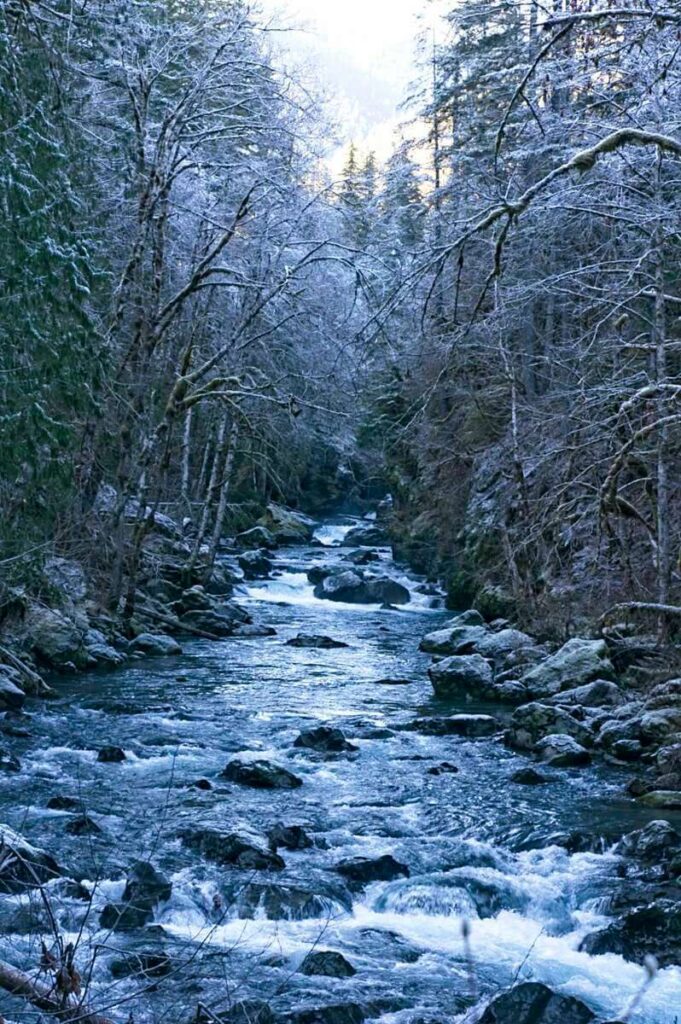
479	848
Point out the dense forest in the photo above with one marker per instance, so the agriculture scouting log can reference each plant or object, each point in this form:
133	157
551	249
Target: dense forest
209	344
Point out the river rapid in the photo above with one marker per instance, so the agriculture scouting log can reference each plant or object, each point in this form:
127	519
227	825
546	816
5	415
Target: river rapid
479	847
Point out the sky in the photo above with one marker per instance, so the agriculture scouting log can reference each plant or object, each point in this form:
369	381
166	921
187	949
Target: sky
363	53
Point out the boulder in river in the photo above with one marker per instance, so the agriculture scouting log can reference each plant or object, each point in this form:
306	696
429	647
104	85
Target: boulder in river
315	641
457	725
338	1013
111	755
325	739
365	537
288	837
22	865
657	843
352	588
529	777
54	637
531	722
533	1003
363	556
256	564
145	888
232	849
82	825
562	751
257	537
461	676
11	697
577	662
142	965
8	762
363	870
261	774
287	526
653	930
245	1011
327	964
282	902
602	693
156	645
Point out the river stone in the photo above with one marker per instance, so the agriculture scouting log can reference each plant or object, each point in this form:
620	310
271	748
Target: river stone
111	755
67	577
257	537
220	624
156	645
457	725
315	642
261	774
256	564
351	588
576	663
363	870
100	651
461	676
339	1013
22	865
363	556
279	902
232	849
662	799
82	825
145	964
11	697
654	930
457	640
529	777
145	888
328	964
245	1011
365	537
287	526
8	762
562	751
602	693
658	727
56	639
657	842
66	803
533	1003
531	722
325	739
288	837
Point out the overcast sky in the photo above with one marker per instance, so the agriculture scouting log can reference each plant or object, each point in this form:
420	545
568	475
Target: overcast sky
363	52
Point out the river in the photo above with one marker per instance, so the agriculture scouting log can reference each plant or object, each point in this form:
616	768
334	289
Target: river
479	847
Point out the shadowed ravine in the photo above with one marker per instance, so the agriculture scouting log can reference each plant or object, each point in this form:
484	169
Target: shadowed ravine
478	847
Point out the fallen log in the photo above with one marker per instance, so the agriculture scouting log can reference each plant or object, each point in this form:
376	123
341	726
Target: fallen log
45	998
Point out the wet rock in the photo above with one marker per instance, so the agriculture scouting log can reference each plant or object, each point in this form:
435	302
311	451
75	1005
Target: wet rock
11	697
246	630
627	750
457	725
658	727
653	930
662	799
318	573
529	777
365	537
67	577
22	865
261	774
203	784
613	734
232	849
657	842
256	564
562	751
389	946
287	526
289	837
100	651
218	624
111	755
534	1003
156	645
327	964
54	638
577	663
602	693
339	1013
531	722
257	537
325	739
9	764
462	675
393	682
351	588
315	642
66	803
361	871
457	640
290	902
82	825
443	769
145	888
245	1011
145	964
363	557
